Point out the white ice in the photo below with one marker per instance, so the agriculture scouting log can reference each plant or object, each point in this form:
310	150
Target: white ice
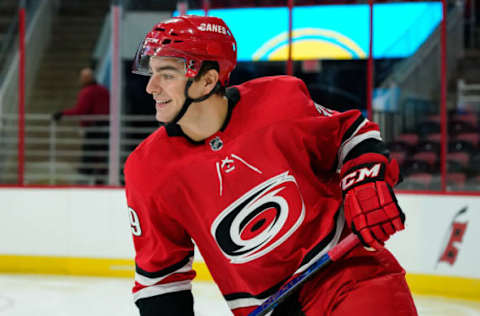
40	295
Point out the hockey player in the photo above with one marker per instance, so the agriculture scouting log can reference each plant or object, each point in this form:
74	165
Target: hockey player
262	179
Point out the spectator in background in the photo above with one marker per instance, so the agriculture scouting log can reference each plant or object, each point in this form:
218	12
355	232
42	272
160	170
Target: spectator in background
93	99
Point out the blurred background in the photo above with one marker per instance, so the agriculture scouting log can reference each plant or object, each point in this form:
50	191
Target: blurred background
404	64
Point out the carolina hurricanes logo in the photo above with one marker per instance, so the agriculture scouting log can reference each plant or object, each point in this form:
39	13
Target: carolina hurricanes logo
260	220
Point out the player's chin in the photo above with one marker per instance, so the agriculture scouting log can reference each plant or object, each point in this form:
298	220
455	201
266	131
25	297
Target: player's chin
166	115
162	118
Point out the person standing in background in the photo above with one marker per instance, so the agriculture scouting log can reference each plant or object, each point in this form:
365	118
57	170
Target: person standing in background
93	99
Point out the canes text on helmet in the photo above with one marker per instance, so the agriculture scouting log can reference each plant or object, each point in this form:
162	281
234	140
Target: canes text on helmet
193	38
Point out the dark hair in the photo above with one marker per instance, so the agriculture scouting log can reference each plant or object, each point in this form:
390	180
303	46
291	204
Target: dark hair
206	66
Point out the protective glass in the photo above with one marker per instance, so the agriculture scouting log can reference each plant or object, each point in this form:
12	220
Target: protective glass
141	63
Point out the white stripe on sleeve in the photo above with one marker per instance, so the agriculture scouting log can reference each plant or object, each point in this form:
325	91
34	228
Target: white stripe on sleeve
348	145
162	289
146	281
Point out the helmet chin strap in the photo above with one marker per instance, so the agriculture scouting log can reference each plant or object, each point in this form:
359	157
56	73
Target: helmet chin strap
189	101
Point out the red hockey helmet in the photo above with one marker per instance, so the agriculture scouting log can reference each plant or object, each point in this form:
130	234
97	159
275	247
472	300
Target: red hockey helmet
192	38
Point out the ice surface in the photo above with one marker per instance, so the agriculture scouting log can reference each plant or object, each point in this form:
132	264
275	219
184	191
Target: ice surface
40	295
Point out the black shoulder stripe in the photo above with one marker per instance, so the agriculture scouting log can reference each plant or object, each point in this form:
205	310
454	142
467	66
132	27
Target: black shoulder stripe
323	243
263	295
353	128
370	145
163	272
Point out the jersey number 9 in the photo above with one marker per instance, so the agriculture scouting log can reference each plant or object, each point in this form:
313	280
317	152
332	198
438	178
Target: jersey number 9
134	222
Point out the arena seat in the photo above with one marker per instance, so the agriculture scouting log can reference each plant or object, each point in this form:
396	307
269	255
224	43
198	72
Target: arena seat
472	138
456	181
409	138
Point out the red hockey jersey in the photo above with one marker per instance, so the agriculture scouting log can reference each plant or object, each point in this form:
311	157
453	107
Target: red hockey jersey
260	198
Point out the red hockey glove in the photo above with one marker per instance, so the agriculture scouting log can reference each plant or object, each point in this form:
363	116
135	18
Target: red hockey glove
371	209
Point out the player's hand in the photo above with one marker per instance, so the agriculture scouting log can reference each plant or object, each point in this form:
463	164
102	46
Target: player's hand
371	209
57	116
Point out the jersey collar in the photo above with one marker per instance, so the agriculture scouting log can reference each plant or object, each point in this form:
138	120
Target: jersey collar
233	96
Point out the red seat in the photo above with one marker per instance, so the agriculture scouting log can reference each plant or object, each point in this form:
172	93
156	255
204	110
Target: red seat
459	157
429	145
427	156
459	127
399	146
421	181
470	118
457	145
472	138
456	180
408	138
435	137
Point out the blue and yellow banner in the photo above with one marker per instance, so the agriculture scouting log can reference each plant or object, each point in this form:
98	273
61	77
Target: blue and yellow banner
330	31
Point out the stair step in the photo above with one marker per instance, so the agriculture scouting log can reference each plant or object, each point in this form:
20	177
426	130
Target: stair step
75	32
56	84
79	27
49	94
5	23
72	66
51	97
50	106
87	10
472	53
57	74
66	54
7	10
82	19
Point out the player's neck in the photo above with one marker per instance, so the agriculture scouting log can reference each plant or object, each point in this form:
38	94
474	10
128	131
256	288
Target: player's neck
203	119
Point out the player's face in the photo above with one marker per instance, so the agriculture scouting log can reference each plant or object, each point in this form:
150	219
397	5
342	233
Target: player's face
167	86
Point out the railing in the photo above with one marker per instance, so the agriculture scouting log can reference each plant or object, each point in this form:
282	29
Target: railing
468	97
73	151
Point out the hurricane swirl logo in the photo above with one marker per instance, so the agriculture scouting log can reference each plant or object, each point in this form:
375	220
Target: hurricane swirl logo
260	220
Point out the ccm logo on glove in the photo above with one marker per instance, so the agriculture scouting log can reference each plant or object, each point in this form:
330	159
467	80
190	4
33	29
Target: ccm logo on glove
370	207
362	175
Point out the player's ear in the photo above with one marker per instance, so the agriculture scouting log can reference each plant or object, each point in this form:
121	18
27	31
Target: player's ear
210	79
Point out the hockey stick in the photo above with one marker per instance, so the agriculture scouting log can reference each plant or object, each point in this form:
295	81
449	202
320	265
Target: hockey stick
334	254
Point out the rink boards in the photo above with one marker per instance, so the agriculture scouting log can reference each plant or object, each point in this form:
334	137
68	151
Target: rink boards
82	231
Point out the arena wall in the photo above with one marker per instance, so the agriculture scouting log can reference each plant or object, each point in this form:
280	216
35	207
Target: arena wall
84	231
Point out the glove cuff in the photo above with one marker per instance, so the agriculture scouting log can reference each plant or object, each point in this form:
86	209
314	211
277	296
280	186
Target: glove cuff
369	167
